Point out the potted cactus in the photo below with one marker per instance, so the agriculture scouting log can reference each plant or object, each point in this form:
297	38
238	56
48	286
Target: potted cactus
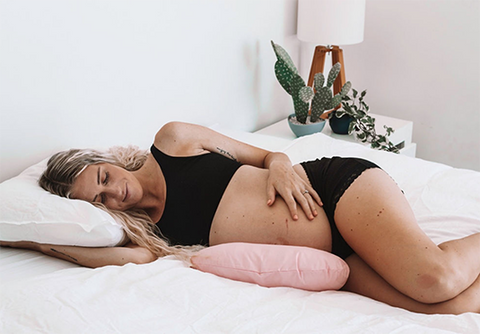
311	106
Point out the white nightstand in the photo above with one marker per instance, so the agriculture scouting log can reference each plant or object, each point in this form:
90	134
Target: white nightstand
402	137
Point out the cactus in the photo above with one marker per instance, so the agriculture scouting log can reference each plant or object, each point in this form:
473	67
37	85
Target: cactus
300	106
324	99
321	99
288	77
284	75
332	75
306	94
284	57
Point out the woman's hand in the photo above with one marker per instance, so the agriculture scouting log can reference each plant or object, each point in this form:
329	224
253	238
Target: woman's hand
21	244
283	180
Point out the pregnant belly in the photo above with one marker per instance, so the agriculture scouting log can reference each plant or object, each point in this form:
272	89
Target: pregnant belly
243	216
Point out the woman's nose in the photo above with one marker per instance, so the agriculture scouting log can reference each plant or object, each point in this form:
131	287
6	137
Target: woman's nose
113	191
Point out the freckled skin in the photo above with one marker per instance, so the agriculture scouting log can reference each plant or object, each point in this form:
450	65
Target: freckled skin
251	220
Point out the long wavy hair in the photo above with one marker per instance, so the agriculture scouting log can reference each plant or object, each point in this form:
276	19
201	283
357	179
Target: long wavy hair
63	168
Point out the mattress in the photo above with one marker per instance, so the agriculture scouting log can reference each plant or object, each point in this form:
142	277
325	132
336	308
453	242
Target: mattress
46	295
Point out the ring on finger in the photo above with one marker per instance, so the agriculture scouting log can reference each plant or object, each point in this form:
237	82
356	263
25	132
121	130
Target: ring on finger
305	192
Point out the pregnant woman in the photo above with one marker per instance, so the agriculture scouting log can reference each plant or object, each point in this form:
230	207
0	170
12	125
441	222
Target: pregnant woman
198	188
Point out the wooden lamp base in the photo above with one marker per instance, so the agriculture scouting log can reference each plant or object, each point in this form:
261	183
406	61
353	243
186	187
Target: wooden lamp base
318	64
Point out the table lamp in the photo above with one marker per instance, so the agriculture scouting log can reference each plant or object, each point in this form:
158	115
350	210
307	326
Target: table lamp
330	23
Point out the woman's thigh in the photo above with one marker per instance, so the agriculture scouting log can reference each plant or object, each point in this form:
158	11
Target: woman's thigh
376	220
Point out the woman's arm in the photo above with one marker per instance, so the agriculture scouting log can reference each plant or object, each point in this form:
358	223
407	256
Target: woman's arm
92	257
183	139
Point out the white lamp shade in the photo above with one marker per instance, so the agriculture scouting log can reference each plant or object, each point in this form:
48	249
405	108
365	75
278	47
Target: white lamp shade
331	22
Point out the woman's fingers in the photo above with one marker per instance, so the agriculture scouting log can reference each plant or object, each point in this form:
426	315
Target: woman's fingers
306	198
271	193
306	202
311	203
315	197
294	191
292	206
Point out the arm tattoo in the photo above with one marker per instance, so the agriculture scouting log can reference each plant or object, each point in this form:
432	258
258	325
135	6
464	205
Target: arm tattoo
226	153
71	257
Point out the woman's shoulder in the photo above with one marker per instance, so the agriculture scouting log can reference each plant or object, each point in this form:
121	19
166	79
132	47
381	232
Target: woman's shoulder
168	132
179	139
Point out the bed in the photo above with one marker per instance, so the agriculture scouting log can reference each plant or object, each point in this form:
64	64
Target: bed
45	295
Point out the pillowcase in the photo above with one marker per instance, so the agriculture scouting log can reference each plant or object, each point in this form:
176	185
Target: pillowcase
27	212
274	265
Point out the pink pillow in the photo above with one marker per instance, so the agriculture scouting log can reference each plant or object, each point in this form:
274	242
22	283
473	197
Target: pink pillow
274	265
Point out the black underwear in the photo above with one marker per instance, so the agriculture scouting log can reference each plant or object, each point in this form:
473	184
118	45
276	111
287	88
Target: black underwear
330	177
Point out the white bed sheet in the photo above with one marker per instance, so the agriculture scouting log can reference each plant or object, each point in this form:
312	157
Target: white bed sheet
41	294
167	297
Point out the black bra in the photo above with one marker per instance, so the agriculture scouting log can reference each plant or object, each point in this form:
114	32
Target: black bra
195	186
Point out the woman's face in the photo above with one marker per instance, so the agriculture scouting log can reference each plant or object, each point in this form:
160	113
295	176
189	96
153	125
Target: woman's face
115	187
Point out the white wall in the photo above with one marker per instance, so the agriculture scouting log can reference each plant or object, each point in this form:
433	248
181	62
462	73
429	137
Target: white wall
420	60
89	73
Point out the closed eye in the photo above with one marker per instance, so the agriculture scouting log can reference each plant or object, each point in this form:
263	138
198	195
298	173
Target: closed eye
105	182
107	177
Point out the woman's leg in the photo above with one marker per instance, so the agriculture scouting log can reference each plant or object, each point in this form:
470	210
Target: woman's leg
376	220
365	281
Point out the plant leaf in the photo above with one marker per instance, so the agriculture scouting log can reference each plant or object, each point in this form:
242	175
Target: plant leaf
345	89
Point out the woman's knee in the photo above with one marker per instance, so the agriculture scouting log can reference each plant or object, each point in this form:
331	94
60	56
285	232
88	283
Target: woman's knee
437	281
467	301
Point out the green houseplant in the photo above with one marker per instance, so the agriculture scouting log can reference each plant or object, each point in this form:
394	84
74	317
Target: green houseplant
362	125
305	98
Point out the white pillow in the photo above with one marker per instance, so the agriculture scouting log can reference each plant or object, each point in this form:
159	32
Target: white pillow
27	212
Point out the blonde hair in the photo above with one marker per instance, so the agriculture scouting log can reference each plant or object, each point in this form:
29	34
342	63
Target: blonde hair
63	168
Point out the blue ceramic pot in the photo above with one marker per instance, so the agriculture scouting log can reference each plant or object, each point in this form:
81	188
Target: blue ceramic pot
340	125
305	129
